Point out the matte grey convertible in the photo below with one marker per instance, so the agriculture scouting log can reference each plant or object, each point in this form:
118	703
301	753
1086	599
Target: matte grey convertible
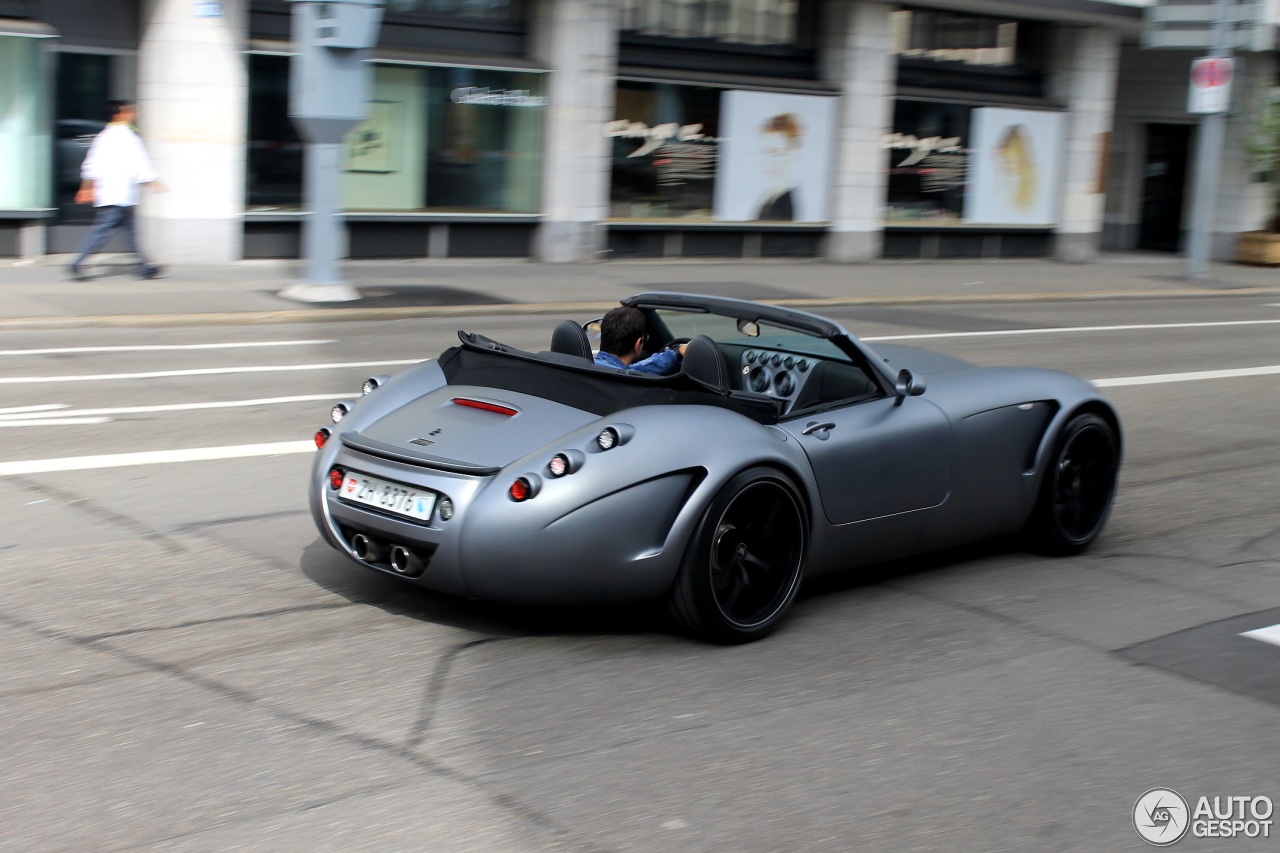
784	448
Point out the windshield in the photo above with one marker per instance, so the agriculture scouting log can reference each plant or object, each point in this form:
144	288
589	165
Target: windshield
725	330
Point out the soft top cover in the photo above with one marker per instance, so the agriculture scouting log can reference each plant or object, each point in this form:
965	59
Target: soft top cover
583	385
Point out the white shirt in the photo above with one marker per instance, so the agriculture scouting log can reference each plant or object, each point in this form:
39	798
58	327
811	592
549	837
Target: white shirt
117	163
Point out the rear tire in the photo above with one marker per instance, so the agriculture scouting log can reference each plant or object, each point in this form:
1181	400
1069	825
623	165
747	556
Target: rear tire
745	561
1078	488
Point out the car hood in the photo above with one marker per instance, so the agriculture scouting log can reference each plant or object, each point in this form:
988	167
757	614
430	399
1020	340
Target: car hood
456	428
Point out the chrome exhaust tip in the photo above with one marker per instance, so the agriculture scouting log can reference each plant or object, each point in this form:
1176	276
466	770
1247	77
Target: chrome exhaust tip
405	562
367	549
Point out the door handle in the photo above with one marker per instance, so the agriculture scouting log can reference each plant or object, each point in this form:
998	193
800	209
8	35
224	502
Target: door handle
813	427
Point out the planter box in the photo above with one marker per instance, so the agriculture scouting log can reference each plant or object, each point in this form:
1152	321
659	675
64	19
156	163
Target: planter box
1258	247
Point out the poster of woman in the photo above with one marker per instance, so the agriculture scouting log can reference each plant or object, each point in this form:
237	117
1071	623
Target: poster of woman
1015	159
775	157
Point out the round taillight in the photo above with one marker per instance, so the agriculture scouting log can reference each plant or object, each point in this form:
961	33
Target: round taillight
445	509
559	465
336	476
607	439
322	435
338	412
520	489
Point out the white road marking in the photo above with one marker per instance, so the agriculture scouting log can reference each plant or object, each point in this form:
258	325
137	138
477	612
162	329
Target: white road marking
995	333
1162	378
203	371
153	457
119	460
24	410
1267	635
44	422
163	347
176	407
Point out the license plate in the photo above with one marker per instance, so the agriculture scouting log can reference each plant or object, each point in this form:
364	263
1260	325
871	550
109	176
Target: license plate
388	497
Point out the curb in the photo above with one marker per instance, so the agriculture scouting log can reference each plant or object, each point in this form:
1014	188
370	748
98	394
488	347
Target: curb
329	315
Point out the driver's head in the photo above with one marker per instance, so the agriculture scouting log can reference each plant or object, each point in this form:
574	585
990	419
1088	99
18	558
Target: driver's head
622	331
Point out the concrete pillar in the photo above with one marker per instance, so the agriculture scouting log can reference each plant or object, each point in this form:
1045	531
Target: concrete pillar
32	240
192	104
857	55
1084	72
1242	201
578	41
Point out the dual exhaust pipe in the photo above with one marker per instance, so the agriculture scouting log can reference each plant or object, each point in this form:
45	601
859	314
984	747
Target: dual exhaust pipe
401	559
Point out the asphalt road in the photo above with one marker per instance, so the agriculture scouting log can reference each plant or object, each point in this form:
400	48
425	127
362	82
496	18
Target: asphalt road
186	667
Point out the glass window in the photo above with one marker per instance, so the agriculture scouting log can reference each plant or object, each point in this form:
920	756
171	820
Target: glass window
84	90
484	10
437	139
24	136
948	37
928	162
730	21
665	151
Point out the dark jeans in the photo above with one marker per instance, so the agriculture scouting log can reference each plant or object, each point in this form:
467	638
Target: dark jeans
105	220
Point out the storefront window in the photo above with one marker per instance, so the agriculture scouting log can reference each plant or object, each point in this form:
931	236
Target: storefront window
497	10
928	162
665	141
730	21
24	135
953	163
728	155
438	139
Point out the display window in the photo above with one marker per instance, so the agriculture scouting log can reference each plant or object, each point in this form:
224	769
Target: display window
697	153
437	139
961	164
25	145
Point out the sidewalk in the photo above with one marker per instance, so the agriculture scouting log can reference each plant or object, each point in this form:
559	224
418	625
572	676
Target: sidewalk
39	295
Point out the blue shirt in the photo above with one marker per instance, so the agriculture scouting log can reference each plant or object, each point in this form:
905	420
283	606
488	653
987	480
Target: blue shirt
660	363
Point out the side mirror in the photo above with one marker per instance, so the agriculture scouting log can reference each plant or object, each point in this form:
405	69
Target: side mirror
908	385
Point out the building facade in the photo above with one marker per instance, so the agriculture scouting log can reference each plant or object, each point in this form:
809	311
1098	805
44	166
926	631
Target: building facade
579	130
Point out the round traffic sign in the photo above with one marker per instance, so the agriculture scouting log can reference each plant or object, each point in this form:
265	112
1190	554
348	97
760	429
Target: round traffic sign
1211	73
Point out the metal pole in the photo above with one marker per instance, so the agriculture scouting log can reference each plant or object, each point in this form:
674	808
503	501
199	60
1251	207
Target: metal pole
323	227
1209	161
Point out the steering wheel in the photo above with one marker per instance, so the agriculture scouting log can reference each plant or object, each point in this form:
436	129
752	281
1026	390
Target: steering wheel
675	342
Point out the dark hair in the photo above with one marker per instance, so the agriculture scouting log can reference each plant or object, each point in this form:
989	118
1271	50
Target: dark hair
114	107
620	328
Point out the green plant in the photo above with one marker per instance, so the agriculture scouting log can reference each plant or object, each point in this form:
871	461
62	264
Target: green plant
1263	145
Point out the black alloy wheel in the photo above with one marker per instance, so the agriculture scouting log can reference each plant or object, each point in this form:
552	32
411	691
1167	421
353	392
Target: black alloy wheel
744	564
1079	486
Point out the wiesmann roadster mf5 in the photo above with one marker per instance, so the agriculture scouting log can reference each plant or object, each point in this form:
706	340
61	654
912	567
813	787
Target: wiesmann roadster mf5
784	448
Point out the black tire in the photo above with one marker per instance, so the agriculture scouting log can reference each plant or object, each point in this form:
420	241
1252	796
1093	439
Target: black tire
1079	485
745	561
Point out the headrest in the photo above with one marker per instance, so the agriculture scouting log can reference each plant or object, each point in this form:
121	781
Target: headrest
703	362
571	339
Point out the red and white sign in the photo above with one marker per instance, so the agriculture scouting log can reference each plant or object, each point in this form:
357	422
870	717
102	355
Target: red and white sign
1210	90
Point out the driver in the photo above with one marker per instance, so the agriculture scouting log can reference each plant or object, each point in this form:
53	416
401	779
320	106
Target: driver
622	339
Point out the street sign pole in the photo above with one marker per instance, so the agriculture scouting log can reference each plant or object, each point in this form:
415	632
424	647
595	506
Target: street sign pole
1209	160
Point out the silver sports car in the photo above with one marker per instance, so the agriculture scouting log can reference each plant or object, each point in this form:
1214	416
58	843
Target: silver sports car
783	448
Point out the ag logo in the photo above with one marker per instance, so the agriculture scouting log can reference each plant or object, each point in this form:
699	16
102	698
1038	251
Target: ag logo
1161	816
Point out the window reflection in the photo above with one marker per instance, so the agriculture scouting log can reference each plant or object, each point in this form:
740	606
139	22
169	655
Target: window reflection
732	21
481	9
946	37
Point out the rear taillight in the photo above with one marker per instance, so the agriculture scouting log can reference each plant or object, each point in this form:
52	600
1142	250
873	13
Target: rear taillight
322	435
483	406
521	490
336	476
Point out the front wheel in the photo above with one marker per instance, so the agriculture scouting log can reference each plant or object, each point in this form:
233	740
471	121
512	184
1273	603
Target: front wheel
1078	487
744	563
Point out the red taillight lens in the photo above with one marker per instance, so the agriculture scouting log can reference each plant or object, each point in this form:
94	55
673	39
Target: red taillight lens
336	476
485	407
520	490
322	435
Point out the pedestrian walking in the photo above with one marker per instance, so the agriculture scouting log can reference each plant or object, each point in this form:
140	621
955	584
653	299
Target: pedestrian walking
114	168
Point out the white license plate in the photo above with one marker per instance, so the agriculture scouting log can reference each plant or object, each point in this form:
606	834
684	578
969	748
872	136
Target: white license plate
388	497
